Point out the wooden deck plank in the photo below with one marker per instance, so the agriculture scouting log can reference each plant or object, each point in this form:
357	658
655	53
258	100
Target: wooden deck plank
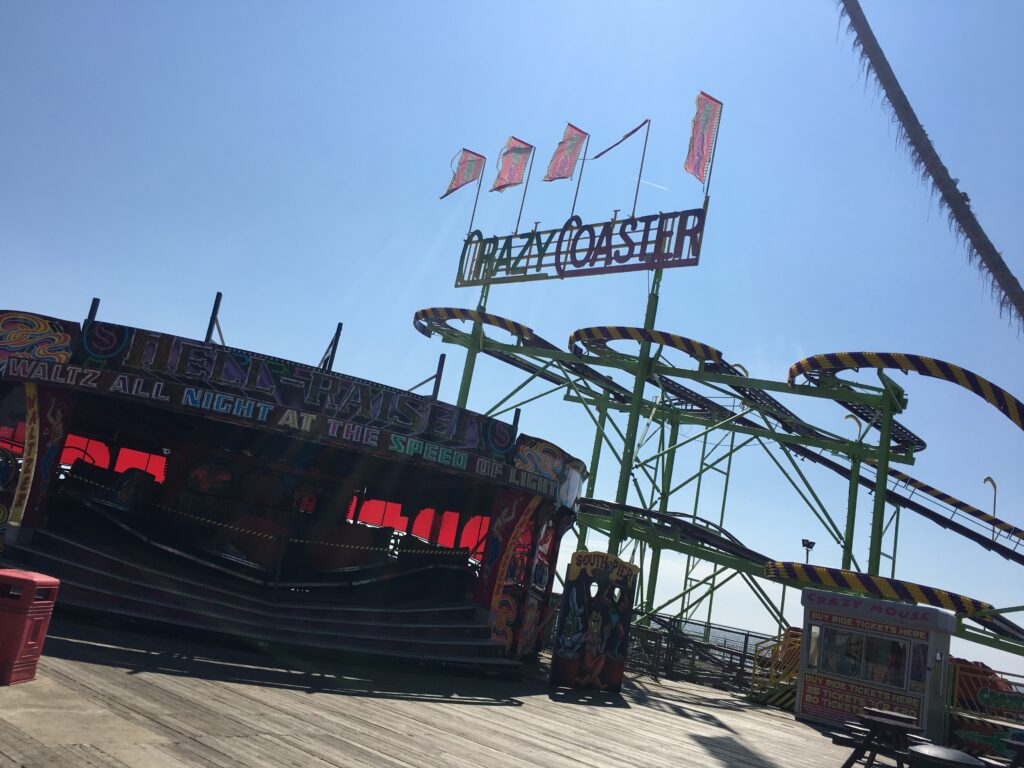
168	703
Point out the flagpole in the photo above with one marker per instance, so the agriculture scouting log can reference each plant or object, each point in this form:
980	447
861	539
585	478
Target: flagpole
479	181
525	187
586	146
642	156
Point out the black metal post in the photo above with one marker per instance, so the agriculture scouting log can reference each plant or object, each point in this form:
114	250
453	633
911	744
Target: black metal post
93	309
636	195
333	350
437	377
583	165
213	317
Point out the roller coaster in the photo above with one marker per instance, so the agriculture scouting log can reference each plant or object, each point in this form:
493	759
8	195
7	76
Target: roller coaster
748	411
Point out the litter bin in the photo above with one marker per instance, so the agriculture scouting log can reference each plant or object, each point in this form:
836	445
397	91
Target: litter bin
26	604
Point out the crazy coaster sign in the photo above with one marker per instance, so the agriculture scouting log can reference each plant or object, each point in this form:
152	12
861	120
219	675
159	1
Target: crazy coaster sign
659	241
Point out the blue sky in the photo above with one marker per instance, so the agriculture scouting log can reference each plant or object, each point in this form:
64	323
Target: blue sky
291	155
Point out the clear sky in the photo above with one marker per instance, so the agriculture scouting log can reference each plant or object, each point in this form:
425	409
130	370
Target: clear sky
292	154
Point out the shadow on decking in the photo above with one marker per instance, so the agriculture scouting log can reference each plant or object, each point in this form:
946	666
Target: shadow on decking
729	751
603	699
148	652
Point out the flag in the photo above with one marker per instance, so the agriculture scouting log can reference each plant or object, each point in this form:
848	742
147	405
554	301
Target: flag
468	169
613	146
702	140
563	162
512	164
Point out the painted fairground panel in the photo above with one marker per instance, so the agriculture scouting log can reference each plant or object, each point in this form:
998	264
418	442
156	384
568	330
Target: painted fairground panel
249	389
592	636
517	570
32	423
12	447
985	707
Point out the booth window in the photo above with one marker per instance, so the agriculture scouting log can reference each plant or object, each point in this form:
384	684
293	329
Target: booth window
812	646
918	667
886	661
879	660
841	652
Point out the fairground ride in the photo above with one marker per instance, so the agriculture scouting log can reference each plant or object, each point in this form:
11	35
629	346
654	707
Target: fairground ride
639	396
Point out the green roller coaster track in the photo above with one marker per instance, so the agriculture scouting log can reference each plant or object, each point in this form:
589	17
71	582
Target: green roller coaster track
658	396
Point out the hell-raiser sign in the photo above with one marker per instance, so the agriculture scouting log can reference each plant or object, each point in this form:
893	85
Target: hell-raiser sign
658	241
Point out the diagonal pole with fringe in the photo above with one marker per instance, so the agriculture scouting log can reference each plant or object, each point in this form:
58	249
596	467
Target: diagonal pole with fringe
1005	286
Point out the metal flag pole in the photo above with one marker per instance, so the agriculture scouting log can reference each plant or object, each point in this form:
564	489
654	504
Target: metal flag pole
583	165
479	182
526	186
642	156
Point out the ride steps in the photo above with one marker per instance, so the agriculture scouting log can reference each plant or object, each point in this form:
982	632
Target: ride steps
151	586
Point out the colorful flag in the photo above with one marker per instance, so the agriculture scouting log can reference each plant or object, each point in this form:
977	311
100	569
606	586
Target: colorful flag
563	162
702	140
468	169
512	164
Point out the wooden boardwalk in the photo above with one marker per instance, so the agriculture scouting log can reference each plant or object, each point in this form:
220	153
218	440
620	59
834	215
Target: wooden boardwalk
116	699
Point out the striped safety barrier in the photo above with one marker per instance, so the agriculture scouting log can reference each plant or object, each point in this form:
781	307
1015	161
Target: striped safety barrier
597	338
1006	403
878	586
436	319
962	506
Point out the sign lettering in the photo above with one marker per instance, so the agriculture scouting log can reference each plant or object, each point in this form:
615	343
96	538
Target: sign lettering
658	241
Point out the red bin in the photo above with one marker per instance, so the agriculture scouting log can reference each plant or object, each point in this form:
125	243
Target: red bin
26	604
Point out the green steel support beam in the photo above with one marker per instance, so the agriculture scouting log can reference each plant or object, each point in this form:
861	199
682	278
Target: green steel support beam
670	464
696	603
601	523
851	513
652	579
984	638
633	418
830	527
713	464
721	514
882	470
467	369
685	592
838	446
595	458
766	601
519	388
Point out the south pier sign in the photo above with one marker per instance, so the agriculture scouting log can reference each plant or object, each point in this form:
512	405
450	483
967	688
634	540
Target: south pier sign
658	241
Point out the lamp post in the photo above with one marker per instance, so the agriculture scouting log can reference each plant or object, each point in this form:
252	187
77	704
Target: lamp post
992	482
808	546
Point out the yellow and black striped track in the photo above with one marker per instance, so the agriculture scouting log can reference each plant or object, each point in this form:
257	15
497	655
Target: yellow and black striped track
998	397
878	586
597	338
892	589
962	506
438	320
435	320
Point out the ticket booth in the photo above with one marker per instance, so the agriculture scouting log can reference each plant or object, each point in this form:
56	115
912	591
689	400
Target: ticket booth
860	652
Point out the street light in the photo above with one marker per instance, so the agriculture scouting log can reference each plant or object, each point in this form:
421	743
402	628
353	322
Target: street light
992	482
808	545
